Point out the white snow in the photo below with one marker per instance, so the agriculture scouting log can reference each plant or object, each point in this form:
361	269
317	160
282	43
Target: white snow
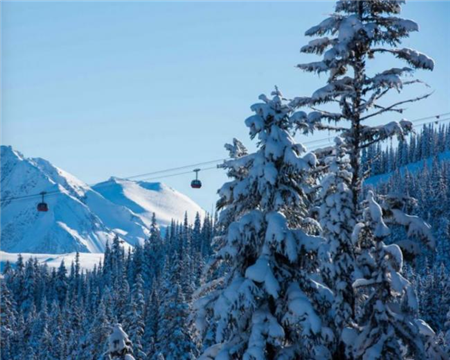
261	272
87	261
146	198
394	251
79	217
119	343
376	214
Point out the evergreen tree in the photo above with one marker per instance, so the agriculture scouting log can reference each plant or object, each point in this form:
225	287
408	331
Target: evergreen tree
387	316
337	217
8	326
119	345
135	317
98	334
174	340
269	306
360	31
61	286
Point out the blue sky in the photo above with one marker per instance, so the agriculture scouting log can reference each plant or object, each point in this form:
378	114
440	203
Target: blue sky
117	88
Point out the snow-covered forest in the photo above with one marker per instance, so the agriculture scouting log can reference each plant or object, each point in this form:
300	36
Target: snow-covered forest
341	252
66	312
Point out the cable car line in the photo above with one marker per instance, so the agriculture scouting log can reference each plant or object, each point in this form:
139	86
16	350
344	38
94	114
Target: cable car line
178	174
437	116
174	169
328	142
414	126
54	192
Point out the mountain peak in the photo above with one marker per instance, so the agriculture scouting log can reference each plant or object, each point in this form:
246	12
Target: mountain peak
80	218
8	153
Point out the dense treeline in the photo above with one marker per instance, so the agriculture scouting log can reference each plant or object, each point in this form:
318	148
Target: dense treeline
427	143
428	188
426	180
67	313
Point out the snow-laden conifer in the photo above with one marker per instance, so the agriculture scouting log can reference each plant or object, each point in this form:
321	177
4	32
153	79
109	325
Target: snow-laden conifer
358	33
337	220
174	340
268	306
389	328
8	317
119	345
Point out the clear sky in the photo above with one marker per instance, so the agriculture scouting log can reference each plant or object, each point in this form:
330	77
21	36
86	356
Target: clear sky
124	88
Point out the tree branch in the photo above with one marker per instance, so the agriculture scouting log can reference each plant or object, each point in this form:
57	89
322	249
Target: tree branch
390	108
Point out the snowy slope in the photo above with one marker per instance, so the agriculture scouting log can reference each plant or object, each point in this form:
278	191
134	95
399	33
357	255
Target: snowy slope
87	261
79	218
145	198
413	167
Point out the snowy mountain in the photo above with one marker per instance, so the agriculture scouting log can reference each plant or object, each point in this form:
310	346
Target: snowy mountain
79	217
144	199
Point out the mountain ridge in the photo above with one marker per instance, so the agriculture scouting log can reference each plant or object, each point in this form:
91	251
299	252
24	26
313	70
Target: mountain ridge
80	218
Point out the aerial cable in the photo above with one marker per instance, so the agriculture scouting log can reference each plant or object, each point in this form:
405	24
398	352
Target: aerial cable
414	126
438	118
174	169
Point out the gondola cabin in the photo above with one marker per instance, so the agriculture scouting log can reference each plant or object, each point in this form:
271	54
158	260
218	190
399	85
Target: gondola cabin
42	206
196	183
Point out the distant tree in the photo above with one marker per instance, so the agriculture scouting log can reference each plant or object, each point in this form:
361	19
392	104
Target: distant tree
135	317
8	326
174	339
119	345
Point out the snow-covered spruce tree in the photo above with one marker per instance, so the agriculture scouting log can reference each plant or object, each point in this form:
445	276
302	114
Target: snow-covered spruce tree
150	337
153	253
174	339
8	317
337	219
135	317
98	334
361	31
268	307
119	345
358	32
217	266
389	329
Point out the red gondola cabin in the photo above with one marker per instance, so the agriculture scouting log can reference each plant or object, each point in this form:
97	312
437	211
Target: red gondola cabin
42	206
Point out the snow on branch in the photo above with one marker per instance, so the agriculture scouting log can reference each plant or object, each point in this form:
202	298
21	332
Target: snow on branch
374	134
374	213
415	226
329	25
261	272
334	89
411	56
316	67
316	46
390	78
